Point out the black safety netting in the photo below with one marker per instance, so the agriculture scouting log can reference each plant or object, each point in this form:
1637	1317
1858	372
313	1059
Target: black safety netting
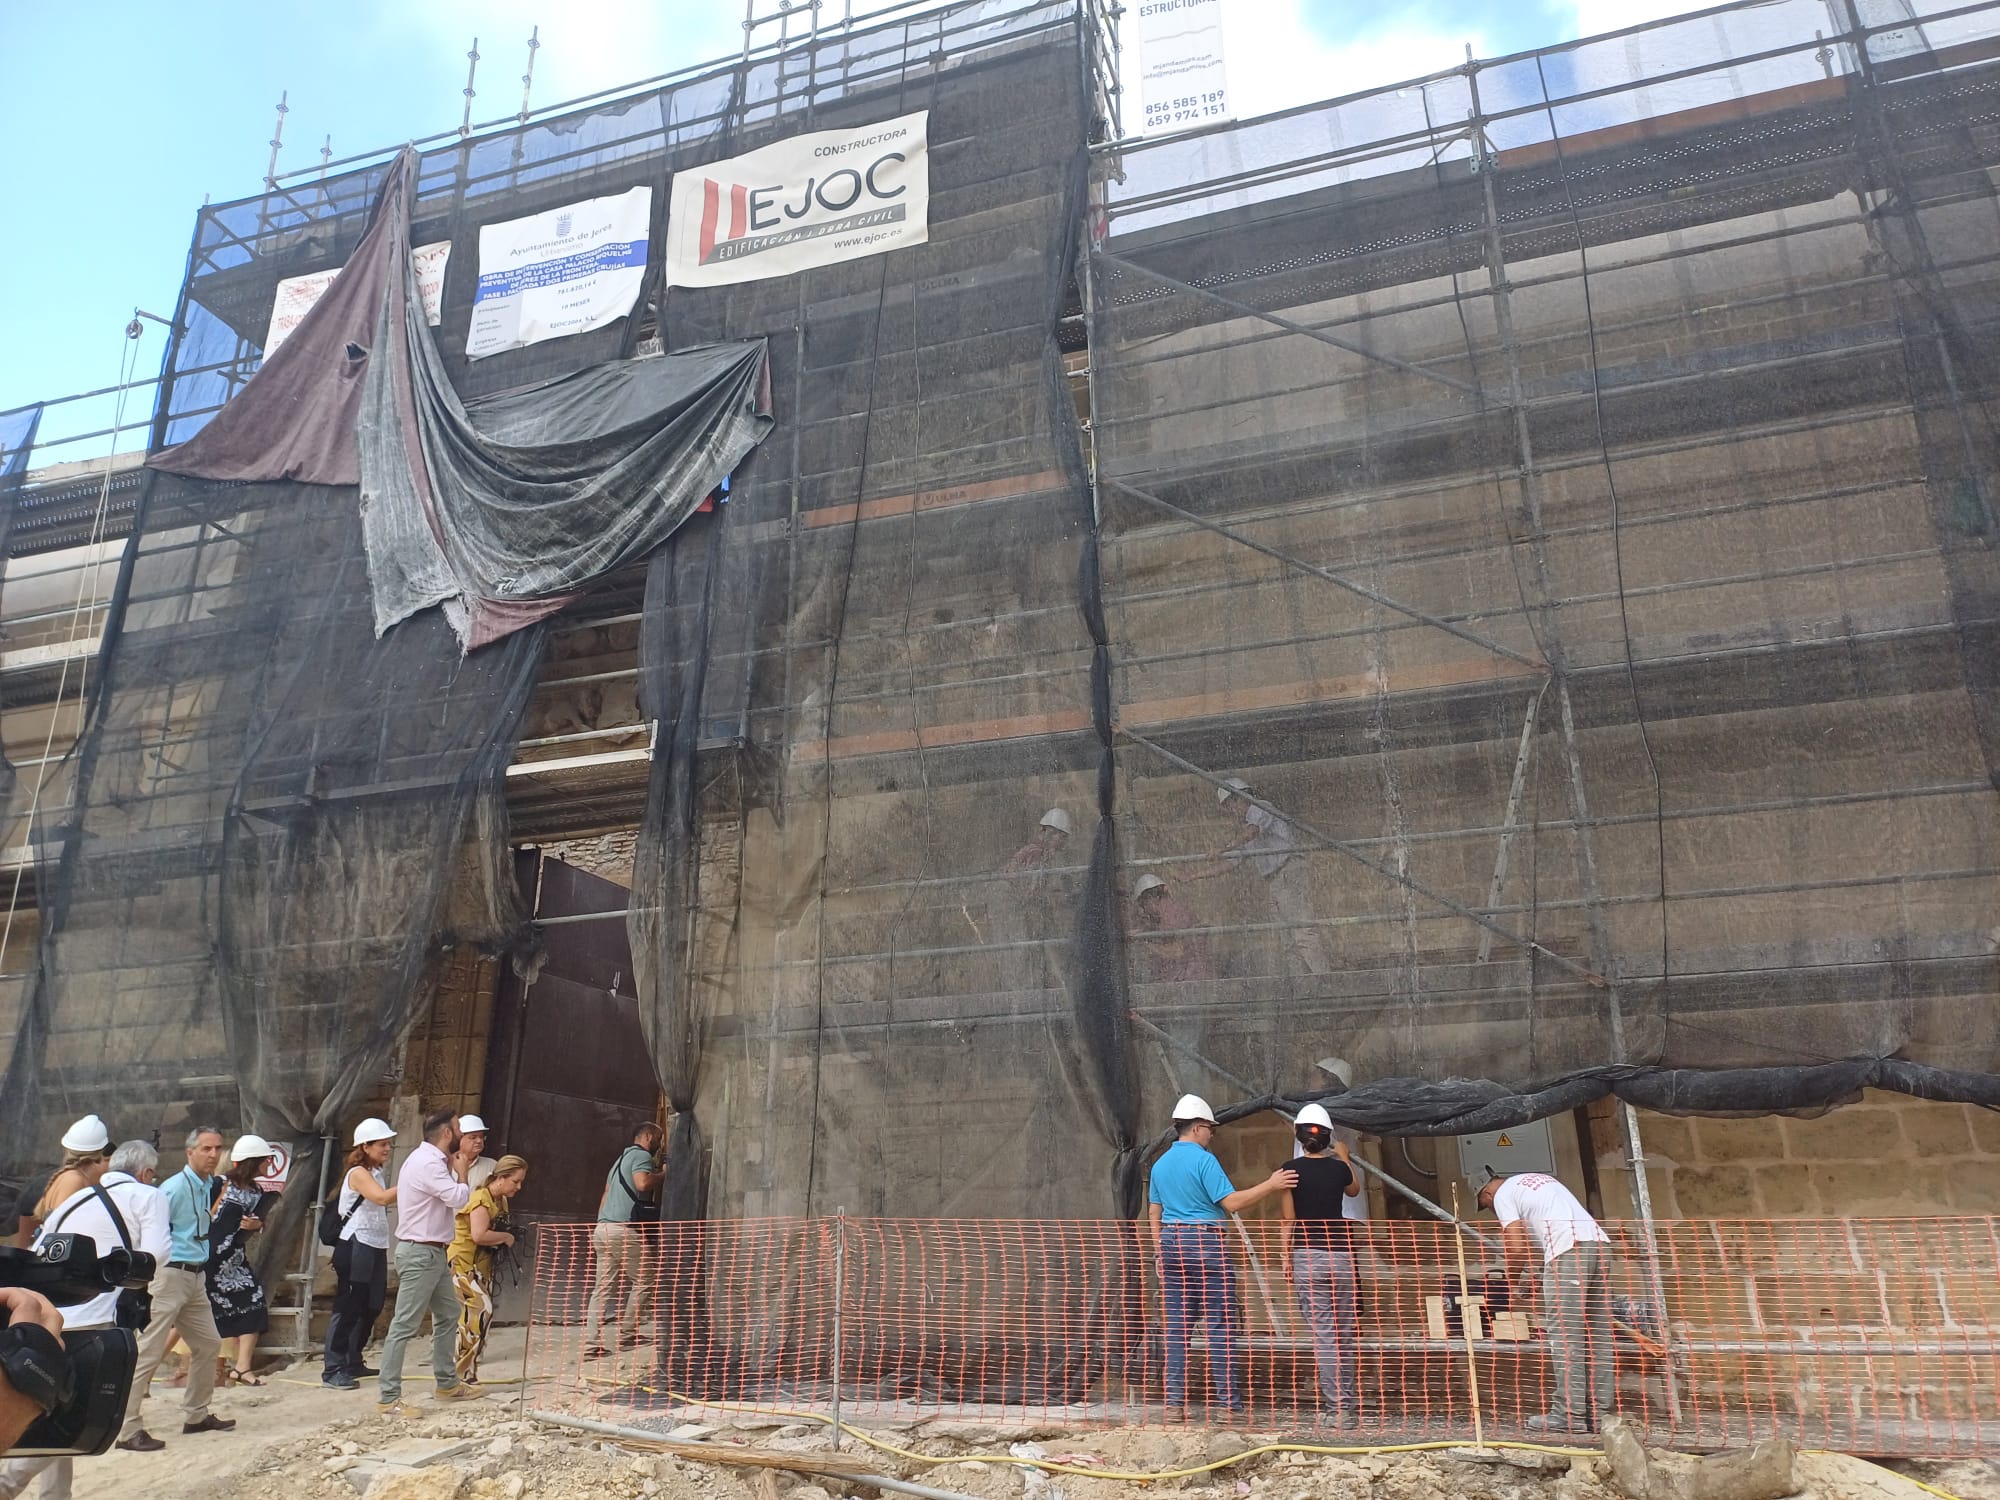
1531	632
1561	493
17	444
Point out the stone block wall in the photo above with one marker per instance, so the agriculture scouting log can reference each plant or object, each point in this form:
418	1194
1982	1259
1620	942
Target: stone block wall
1887	1156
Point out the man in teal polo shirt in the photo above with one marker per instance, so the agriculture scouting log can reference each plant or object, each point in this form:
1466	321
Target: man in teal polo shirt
180	1300
1190	1197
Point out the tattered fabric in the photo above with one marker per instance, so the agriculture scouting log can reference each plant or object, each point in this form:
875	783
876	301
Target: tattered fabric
501	509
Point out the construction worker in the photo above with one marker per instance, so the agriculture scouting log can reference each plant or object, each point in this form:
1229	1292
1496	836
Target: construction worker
1169	959
1189	1198
1318	1252
1022	908
1540	1217
1267	843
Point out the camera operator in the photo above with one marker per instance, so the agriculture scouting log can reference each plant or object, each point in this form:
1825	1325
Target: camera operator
116	1208
20	1307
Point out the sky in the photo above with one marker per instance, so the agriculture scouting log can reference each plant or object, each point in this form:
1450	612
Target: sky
124	115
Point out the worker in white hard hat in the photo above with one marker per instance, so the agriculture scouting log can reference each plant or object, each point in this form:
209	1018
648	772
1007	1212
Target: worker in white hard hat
360	1253
1318	1252
1267	844
235	1295
1171	949
472	1151
86	1148
1027	911
1189	1197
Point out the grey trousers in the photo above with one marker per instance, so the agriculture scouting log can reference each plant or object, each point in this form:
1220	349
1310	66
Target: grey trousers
1323	1281
1576	1307
180	1302
423	1285
1291	894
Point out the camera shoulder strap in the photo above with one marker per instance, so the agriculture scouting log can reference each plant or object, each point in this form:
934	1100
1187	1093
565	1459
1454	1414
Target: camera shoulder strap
77	1200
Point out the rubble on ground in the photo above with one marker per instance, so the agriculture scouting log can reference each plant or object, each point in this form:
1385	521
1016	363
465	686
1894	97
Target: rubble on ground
490	1455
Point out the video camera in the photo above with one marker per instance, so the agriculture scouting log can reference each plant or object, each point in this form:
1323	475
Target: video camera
69	1269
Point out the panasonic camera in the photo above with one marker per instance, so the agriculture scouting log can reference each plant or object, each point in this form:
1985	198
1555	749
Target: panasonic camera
68	1269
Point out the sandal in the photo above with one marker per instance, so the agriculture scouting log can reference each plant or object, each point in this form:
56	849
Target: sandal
241	1377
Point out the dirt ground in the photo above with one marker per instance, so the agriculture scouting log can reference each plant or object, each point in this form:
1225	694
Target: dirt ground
295	1440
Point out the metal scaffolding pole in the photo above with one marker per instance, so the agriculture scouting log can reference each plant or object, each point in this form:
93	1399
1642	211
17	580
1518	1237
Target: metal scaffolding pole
1549	639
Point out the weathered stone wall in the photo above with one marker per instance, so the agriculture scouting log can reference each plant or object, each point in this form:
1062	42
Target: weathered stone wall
1888	1156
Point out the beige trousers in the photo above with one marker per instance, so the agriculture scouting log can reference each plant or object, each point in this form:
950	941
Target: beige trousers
180	1302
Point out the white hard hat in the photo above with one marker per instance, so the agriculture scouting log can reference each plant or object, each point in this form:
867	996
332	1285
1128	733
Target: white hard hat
471	1125
250	1147
1057	819
1193	1107
87	1134
1147	883
372	1130
1314	1114
1233	784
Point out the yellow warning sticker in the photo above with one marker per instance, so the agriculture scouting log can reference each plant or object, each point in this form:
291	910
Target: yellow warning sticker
1505	1140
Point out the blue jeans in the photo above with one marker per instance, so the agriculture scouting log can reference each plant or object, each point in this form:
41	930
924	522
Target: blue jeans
1197	1280
1323	1281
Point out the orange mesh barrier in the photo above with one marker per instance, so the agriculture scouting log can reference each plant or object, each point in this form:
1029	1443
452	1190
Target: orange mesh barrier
1875	1336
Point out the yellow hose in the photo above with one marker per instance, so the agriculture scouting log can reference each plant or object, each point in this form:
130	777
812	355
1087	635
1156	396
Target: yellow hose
1049	1465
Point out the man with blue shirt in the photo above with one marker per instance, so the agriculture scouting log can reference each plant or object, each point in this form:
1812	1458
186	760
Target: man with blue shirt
180	1299
1191	1197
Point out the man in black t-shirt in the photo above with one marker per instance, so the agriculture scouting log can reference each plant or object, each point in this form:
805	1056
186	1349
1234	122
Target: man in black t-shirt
1319	1260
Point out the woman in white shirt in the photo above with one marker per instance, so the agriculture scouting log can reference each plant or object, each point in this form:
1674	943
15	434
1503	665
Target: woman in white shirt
361	1256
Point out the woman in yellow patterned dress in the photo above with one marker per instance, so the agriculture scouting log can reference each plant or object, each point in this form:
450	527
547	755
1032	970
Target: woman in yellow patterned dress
481	1230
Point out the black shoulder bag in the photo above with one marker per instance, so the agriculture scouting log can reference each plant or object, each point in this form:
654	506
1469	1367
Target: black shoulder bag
643	1211
331	1222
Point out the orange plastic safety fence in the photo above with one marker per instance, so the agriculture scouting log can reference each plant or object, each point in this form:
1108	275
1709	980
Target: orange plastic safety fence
1871	1335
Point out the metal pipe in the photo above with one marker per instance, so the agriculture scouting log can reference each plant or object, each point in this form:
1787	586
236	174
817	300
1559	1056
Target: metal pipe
1244	309
1339	846
839	1307
1373	596
641	1435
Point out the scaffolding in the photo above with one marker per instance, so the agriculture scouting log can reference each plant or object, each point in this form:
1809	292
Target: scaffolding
1524	581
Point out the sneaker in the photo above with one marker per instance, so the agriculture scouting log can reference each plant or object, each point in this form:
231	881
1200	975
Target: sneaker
141	1441
1340	1420
340	1382
366	1371
465	1390
210	1423
396	1409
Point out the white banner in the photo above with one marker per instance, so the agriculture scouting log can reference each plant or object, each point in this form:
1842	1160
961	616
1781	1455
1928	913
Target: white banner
297	294
565	271
814	200
1181	77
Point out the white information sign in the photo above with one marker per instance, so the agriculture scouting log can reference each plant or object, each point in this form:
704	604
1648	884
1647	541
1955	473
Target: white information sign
297	294
565	271
814	200
1181	76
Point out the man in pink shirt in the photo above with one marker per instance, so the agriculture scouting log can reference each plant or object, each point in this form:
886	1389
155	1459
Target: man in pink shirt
430	1191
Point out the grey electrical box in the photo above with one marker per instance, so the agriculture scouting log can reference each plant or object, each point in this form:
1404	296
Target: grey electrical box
1523	1148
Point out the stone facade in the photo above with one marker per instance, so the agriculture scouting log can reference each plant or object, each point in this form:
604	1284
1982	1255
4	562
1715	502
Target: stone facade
1887	1156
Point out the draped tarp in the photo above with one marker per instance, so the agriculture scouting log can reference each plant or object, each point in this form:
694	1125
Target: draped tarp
499	509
